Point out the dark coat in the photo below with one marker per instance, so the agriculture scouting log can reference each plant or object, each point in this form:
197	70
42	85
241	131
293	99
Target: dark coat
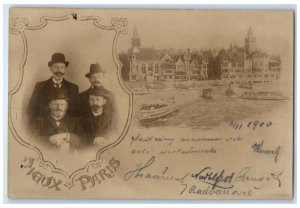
94	126
45	126
39	102
109	107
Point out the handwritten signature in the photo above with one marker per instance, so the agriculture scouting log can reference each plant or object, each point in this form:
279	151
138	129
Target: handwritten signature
140	173
258	147
244	176
210	177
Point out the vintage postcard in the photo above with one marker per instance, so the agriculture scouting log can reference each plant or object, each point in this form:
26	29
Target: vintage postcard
150	104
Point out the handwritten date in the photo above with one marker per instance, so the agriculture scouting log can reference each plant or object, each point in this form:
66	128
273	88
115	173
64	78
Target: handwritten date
250	125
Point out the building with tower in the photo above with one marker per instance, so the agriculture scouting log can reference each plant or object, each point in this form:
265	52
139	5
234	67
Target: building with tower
236	64
248	65
149	64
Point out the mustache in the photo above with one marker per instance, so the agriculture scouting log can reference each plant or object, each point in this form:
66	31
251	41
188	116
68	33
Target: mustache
59	110
59	73
95	107
96	82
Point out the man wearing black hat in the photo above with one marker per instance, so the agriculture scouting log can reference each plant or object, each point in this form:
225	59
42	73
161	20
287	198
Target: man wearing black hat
96	77
56	128
97	123
38	105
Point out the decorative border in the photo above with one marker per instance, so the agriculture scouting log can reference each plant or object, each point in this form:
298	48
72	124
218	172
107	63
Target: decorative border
18	27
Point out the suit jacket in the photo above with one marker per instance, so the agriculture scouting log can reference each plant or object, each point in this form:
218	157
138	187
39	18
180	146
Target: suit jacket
46	126
109	107
38	104
94	126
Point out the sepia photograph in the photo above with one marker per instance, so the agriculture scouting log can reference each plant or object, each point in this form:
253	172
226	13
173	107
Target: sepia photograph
151	103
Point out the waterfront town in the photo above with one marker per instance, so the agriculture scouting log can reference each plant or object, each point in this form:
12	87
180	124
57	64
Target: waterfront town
234	64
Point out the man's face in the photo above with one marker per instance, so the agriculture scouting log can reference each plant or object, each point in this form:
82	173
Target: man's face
96	79
58	108
58	70
96	102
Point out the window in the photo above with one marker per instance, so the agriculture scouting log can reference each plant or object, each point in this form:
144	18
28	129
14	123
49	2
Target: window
156	68
150	67
143	68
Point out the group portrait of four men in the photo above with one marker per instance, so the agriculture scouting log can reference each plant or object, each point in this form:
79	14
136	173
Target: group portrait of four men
60	116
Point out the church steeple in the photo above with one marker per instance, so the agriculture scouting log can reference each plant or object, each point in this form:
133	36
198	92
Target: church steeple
135	40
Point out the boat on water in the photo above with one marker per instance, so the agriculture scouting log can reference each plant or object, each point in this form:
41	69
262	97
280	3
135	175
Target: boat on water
141	91
218	83
207	93
229	92
246	85
181	85
263	96
155	85
153	112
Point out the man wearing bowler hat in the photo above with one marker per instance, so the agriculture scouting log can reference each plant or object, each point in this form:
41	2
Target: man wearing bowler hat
96	77
38	105
97	122
56	128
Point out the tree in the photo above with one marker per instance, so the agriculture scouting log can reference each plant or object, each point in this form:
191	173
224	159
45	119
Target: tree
123	56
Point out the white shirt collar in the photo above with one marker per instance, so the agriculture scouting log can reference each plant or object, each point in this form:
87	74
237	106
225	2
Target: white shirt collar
56	121
56	82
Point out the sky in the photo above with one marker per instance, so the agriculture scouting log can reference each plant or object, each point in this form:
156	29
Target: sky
197	29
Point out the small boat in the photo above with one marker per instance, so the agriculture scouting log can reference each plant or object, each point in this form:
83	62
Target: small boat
155	85
217	83
181	85
153	112
141	91
246	85
207	93
263	96
229	91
